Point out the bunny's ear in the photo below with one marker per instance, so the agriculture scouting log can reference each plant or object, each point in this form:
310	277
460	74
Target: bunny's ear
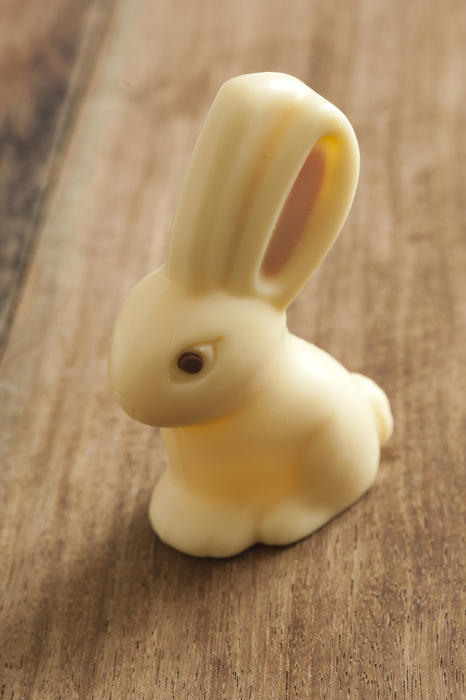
270	184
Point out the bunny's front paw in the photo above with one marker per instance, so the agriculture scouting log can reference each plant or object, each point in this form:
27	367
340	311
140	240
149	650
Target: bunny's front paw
197	527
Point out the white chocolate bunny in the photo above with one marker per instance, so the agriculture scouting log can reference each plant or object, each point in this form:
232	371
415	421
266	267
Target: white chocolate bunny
268	436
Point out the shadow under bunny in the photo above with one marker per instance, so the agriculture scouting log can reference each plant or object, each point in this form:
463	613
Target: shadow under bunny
129	586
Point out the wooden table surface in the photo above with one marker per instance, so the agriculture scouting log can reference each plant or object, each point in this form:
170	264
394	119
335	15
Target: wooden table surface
100	105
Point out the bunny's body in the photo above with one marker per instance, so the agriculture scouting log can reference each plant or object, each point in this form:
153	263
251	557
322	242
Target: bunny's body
268	436
235	481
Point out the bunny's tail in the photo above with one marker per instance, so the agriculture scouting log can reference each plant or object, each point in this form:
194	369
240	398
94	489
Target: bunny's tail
380	405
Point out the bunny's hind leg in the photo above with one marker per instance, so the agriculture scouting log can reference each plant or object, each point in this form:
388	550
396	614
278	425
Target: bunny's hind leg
196	526
342	462
339	466
291	521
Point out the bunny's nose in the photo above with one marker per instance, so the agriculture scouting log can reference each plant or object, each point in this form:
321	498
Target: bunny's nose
127	406
116	377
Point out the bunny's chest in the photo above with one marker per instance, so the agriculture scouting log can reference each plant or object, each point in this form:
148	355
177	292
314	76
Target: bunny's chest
243	462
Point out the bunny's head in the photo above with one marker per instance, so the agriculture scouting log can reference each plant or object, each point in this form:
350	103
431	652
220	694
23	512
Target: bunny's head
270	184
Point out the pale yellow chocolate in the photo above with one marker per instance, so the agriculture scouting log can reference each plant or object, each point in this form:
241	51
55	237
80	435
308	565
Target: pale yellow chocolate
268	436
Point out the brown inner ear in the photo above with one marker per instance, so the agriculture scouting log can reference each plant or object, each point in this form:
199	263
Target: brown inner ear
295	214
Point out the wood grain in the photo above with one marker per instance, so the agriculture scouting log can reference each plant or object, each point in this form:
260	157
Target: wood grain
46	52
372	605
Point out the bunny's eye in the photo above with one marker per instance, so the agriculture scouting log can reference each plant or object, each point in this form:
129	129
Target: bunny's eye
190	362
194	360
